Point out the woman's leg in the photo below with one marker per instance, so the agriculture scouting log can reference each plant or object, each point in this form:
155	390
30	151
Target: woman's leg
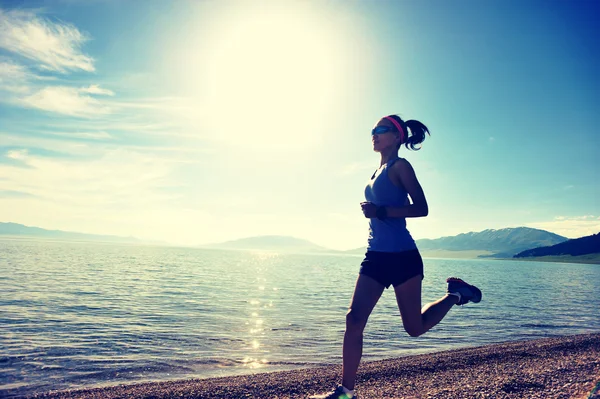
366	294
418	321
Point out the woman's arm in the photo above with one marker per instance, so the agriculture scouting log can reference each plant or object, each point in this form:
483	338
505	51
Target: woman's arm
403	172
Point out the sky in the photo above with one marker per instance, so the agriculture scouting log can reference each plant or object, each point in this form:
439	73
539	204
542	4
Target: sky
193	122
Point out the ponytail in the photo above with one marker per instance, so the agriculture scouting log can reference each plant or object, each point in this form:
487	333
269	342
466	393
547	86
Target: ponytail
417	132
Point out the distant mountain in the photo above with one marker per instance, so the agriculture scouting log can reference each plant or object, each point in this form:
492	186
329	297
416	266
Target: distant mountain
491	243
501	243
270	243
15	229
575	247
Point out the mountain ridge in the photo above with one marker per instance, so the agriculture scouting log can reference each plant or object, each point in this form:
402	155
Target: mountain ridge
501	242
270	242
491	243
21	230
573	247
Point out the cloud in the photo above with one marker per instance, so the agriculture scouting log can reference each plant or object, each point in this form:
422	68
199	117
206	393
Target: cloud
65	100
101	135
119	175
55	46
14	194
24	89
120	192
14	158
95	89
41	145
93	144
570	227
14	77
17	154
11	71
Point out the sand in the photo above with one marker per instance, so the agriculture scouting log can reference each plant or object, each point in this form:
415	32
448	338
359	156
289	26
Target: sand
565	367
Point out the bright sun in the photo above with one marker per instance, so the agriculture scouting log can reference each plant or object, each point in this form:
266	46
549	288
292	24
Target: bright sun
271	77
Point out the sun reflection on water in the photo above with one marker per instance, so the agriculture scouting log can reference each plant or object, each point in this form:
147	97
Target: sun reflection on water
259	306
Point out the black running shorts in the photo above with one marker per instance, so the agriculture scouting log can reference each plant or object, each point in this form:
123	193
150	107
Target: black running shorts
392	268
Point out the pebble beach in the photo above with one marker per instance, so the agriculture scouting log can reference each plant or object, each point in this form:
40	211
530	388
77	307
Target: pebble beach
564	367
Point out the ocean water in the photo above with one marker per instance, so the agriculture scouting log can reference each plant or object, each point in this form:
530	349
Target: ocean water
76	315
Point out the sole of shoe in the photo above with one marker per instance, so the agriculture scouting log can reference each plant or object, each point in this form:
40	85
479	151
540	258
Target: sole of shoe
475	290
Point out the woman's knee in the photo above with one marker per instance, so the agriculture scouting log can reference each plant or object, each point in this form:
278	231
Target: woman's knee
355	322
414	330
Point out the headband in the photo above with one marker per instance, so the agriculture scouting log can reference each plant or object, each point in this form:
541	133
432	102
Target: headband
397	127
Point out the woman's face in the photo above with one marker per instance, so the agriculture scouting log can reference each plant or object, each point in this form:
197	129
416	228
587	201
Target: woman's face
390	138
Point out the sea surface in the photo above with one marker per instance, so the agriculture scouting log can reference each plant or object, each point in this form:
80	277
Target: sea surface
76	315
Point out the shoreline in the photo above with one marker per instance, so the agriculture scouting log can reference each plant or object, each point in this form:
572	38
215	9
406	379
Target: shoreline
587	259
563	367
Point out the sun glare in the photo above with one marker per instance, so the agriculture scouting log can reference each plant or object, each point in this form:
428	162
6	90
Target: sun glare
271	77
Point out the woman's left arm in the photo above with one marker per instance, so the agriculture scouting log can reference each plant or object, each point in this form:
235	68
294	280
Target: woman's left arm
404	173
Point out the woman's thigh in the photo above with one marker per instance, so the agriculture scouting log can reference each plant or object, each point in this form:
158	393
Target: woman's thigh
366	294
408	296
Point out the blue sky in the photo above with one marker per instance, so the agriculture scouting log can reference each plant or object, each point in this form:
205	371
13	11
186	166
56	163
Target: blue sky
197	122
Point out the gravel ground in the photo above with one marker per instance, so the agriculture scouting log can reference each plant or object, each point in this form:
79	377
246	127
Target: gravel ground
566	367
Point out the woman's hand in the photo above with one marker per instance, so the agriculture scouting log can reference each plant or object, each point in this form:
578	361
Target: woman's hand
369	209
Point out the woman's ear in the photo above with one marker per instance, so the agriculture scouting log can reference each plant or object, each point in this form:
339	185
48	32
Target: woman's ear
398	140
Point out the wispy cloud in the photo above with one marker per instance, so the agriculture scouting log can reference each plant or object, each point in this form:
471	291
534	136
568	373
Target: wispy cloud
66	100
121	192
119	176
95	89
13	77
571	227
48	45
94	144
101	135
17	154
48	144
584	217
14	194
52	45
14	158
11	71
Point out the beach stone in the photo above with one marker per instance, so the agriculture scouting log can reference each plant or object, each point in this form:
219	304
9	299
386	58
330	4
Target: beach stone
551	368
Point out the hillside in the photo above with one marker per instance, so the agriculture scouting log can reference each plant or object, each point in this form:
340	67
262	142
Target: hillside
491	243
15	229
502	243
575	247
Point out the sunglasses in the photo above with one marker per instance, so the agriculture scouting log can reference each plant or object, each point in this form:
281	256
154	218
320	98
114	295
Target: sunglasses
381	129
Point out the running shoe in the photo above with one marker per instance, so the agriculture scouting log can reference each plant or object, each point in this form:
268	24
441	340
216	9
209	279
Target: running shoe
337	394
467	292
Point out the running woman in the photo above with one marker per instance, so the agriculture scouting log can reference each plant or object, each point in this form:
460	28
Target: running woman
392	257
